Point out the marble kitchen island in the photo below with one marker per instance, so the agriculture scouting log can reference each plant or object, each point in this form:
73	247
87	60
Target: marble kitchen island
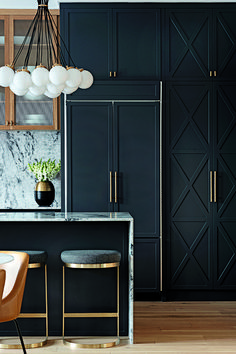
55	232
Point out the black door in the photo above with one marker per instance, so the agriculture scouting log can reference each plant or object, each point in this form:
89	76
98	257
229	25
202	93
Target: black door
136	152
89	156
188	49
224	241
189	217
87	34
224	54
136	44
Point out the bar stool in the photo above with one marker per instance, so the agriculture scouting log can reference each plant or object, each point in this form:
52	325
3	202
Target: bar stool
90	259
37	259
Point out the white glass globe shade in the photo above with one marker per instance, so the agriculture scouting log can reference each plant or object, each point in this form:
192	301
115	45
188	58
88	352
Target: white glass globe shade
74	77
37	90
55	89
87	80
40	76
68	90
51	95
22	80
18	91
58	75
6	76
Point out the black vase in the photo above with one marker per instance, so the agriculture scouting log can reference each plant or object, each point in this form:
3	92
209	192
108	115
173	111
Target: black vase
44	193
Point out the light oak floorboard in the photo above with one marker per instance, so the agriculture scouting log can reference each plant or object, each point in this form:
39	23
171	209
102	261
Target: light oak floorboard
168	327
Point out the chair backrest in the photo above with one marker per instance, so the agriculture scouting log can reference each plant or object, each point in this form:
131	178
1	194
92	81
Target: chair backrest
16	272
2	282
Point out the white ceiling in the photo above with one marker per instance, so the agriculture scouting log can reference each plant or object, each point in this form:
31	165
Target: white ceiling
54	4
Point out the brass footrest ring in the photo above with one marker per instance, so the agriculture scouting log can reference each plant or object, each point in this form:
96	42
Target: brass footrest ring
27	345
72	344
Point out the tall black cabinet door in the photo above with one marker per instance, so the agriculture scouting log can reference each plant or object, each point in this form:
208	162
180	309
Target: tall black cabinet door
136	44
188	44
225	43
188	139
137	162
89	156
225	189
87	34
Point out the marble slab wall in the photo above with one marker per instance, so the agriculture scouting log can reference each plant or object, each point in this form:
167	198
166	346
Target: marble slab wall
17	149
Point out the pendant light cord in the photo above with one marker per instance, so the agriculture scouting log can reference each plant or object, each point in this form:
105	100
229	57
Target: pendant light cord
44	28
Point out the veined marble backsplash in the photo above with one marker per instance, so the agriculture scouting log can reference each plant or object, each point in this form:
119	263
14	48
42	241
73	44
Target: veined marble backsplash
17	184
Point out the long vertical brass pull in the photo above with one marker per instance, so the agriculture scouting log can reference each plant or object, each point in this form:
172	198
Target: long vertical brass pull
211	191
215	73
110	187
115	186
210	73
214	186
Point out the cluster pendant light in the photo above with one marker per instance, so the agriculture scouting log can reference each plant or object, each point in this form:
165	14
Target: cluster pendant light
49	78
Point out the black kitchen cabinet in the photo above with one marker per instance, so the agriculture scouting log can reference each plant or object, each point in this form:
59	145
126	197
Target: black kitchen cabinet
191	48
114	42
113	157
201	43
201	135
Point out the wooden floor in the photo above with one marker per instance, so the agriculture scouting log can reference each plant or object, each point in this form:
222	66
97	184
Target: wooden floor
169	327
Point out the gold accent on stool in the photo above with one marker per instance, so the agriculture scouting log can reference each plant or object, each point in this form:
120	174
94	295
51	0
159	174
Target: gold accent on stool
34	315
91	314
73	345
71	342
95	265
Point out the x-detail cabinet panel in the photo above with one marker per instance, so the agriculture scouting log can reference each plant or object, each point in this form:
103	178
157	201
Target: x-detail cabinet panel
201	44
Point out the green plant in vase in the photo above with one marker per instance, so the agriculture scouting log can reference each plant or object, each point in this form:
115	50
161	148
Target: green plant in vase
45	172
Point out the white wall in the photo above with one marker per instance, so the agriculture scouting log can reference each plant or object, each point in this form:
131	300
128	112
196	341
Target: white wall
26	4
54	4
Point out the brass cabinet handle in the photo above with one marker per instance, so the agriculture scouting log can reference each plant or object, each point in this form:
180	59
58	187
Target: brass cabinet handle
114	73
110	73
7	122
115	186
214	186
110	187
211	191
210	73
11	123
215	73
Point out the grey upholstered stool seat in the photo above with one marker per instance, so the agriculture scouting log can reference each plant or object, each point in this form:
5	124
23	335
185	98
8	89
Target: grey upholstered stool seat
37	256
90	256
91	259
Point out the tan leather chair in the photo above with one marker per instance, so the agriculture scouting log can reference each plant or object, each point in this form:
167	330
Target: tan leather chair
2	282
13	291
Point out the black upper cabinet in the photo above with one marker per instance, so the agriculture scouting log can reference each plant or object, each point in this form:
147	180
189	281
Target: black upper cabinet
224	57
114	43
201	44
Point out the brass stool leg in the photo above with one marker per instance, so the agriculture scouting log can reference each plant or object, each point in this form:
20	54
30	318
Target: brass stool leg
118	302
73	344
46	297
63	303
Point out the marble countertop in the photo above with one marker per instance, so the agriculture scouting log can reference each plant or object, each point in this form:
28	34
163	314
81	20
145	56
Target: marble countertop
69	216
